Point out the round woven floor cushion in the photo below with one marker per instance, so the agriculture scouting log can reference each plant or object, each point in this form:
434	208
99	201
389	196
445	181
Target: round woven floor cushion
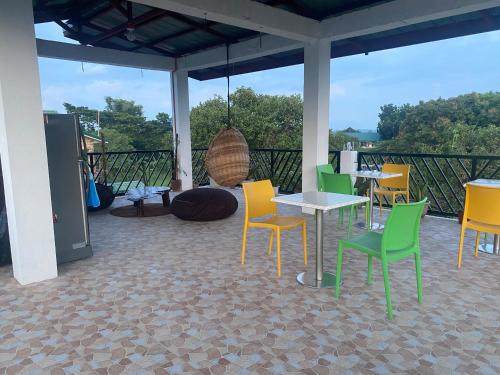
204	204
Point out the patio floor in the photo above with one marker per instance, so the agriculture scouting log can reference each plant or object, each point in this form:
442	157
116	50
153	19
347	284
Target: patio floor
162	295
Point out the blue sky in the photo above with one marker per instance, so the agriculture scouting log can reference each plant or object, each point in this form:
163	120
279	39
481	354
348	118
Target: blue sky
359	84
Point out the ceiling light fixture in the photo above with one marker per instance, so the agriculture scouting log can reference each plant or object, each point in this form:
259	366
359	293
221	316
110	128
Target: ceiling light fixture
130	33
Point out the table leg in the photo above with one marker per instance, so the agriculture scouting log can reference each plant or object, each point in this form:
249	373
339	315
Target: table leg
493	248
318	278
373	225
318	214
165	197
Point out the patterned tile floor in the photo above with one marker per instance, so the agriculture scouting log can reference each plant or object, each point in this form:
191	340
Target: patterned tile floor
164	296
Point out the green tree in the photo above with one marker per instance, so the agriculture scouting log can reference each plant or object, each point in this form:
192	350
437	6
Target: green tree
464	124
115	141
87	116
125	127
266	121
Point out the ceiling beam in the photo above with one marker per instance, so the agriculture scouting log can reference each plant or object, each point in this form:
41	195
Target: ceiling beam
246	14
143	19
395	14
246	50
99	55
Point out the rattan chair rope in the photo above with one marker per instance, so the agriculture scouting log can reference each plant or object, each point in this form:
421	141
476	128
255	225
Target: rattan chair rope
228	160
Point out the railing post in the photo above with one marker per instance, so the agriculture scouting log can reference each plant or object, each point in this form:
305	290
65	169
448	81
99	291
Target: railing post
272	166
473	169
91	162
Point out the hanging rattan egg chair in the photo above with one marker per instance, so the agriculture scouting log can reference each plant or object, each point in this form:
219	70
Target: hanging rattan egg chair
228	160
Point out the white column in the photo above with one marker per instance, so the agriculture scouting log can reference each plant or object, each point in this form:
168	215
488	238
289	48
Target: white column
349	162
316	110
23	149
180	109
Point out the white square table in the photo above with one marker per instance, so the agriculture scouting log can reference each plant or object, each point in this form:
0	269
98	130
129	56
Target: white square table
493	248
320	202
374	175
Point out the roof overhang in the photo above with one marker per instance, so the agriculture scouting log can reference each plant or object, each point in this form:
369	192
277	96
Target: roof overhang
194	35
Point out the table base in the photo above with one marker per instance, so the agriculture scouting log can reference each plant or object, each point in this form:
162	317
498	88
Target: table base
375	226
486	248
493	248
308	278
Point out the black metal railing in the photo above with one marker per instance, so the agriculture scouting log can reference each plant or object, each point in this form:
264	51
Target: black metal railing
283	167
443	176
131	169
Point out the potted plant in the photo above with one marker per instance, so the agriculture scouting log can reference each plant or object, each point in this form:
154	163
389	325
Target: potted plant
176	183
421	193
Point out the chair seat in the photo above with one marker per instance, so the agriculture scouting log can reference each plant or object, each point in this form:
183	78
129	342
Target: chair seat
482	227
388	191
284	222
370	243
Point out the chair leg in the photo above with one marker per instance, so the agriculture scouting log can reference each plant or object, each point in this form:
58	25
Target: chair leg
408	196
349	225
393	199
460	247
387	287
356	209
270	247
418	270
370	269
304	240
478	237
338	277
244	245
278	250
380	198
341	216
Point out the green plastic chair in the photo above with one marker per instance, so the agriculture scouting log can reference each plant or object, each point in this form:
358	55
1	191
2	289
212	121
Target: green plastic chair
328	169
340	183
320	169
399	240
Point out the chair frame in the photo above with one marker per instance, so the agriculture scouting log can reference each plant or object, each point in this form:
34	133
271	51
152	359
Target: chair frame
385	255
381	191
478	226
272	223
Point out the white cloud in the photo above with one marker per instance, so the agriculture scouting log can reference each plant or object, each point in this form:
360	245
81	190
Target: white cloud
337	89
152	94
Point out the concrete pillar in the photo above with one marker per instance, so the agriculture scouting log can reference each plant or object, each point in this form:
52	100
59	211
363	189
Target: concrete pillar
180	108
22	147
316	110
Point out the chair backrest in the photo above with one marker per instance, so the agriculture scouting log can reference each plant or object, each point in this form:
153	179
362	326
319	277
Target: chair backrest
258	197
402	226
482	204
402	182
320	169
340	183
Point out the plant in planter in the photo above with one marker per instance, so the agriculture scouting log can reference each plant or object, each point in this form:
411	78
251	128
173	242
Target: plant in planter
421	193
176	182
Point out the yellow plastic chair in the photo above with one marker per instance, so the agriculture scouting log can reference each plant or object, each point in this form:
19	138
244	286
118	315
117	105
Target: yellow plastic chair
258	204
394	186
481	213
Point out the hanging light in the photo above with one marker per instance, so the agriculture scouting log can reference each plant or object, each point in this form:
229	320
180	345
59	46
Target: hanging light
130	33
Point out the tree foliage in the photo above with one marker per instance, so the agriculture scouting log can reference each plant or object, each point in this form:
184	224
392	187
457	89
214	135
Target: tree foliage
124	126
465	124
